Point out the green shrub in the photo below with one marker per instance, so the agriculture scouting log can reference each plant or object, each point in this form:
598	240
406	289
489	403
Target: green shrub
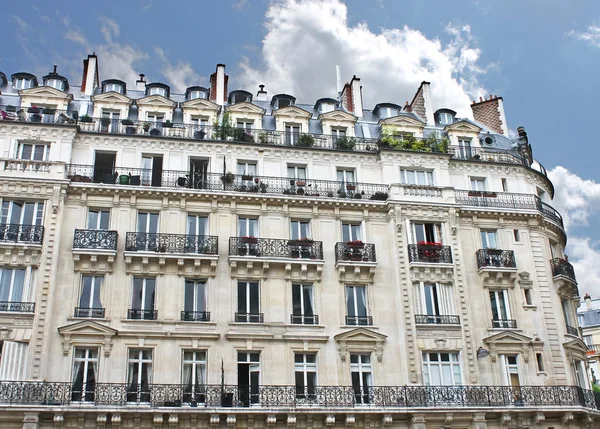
306	140
347	143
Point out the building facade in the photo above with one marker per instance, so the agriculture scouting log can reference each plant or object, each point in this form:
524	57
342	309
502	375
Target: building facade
220	259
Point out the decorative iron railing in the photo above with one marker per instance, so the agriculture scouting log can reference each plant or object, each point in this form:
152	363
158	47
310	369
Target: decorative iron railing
275	248
572	330
38	115
17	307
562	267
17	233
426	319
496	258
352	251
359	320
228	182
488	155
92	313
195	316
504	323
137	314
430	253
95	239
249	317
304	320
171	243
44	393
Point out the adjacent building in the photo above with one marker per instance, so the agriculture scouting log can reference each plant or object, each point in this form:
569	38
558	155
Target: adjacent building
222	258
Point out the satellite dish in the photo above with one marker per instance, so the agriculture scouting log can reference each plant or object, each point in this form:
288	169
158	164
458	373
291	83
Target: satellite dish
482	353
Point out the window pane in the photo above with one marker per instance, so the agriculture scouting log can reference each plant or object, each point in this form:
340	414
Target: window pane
254	301
242	297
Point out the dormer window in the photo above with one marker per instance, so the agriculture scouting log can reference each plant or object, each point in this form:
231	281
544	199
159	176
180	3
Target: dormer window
239	96
445	116
22	83
324	105
197	94
282	100
23	80
387	112
113	87
55	83
158	91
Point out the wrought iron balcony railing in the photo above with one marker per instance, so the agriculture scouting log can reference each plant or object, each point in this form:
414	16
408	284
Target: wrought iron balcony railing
17	307
46	393
359	320
275	248
249	317
38	115
92	313
195	316
99	239
488	155
430	253
17	233
504	323
572	330
562	267
304	320
354	251
171	243
426	319
496	258
137	314
229	182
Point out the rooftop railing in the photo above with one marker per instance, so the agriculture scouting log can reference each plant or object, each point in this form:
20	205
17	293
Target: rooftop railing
45	393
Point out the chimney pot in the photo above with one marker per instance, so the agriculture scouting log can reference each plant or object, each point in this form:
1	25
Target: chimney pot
54	72
490	96
261	86
142	75
480	99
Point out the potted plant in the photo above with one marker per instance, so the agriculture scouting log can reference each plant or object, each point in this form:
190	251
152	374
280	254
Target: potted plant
249	239
246	177
167	124
223	130
355	244
105	123
300	191
350	187
490	194
130	129
85	118
475	193
228	178
48	111
346	143
304	241
358	196
300	183
263	137
263	187
379	196
306	140
34	110
146	126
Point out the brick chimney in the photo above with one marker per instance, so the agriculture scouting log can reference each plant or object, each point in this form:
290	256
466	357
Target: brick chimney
421	103
218	85
346	98
90	80
261	95
351	97
490	112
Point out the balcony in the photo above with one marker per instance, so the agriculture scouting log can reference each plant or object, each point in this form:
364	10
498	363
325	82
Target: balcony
275	248
89	313
38	115
17	307
430	253
195	316
504	324
562	267
495	258
426	319
22	234
96	239
593	348
137	314
359	321
249	318
571	330
38	169
228	182
304	320
355	251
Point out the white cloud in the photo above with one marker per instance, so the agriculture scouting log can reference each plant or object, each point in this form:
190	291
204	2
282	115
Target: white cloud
584	255
591	35
21	23
180	75
109	28
240	5
306	39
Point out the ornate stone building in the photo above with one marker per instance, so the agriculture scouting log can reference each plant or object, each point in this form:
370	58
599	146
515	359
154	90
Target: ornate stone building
220	259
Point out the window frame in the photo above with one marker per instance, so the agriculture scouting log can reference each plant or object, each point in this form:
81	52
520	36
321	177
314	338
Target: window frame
365	298
102	216
96	283
302	305
196	284
12	286
428	364
362	369
85	362
157	90
498	309
45	147
428	177
304	368
144	292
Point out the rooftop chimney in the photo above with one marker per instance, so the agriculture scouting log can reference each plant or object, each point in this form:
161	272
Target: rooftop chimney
421	103
90	80
54	72
357	96
218	85
261	95
490	112
140	84
524	146
588	301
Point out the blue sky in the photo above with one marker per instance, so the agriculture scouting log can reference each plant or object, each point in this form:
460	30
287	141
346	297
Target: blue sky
541	56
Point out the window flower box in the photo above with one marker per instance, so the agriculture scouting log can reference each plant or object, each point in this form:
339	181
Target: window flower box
350	187
246	177
355	244
475	194
306	242
300	183
249	240
489	194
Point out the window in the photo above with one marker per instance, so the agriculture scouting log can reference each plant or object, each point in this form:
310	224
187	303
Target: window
516	235
338	133
504	185
539	360
296	172
500	309
445	118
566	308
157	118
326	107
147	232
245	124
303	305
110	120
18	218
197	225
416	177
89	298
21	83
510	366
55	83
194	305
345	175
361	374
113	87
158	91
425	232
292	132
431	300
387	112
151	170
139	375
33	152
194	376
488	240
199	122
12	288
356	306
305	367
299	229
284	102
351	232
527	295
197	94
477	184
98	219
247	227
580	374
85	374
441	369
248	377
434	300
555	250
464	149
248	310
142	303
588	340
247	171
